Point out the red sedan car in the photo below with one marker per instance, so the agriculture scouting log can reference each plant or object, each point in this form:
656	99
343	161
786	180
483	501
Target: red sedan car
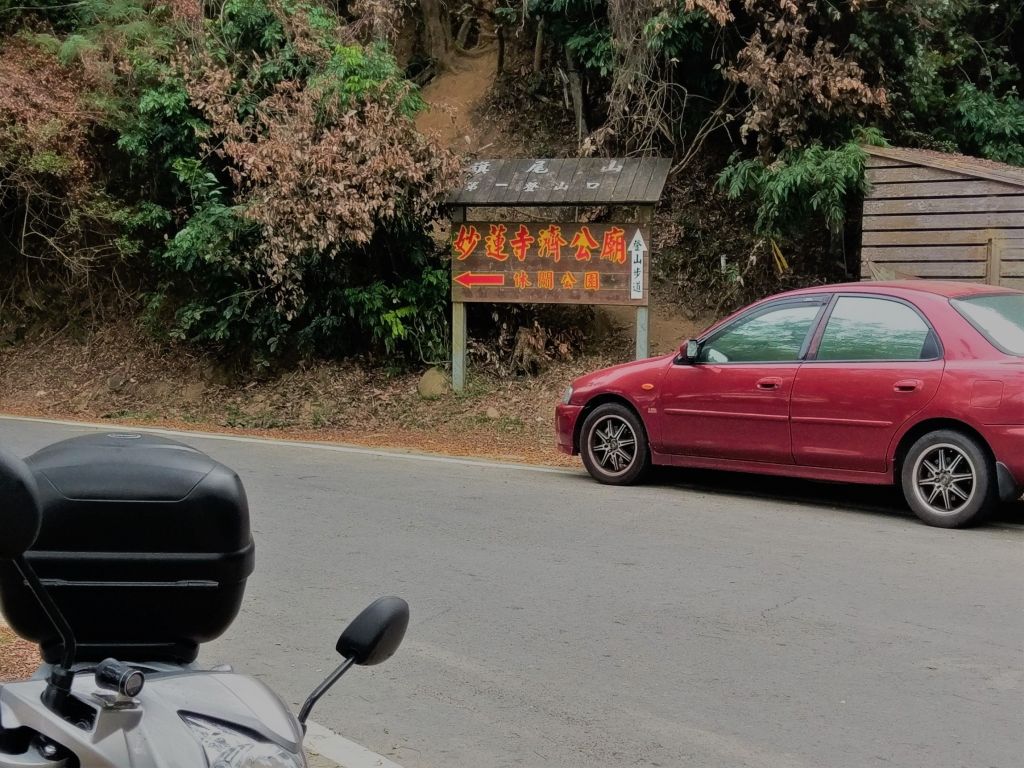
918	382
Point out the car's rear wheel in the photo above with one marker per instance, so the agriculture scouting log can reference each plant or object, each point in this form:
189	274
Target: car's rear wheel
613	445
948	479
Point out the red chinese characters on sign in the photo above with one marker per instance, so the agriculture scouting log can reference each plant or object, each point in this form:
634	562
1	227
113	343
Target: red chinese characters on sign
614	246
584	243
521	242
545	262
550	242
546	280
466	241
495	243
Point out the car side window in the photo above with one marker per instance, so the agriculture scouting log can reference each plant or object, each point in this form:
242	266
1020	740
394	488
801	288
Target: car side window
864	329
773	336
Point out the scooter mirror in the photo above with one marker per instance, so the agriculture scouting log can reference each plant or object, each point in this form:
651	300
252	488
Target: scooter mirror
375	634
372	637
20	514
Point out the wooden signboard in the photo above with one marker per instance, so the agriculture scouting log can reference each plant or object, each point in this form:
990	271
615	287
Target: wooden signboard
568	181
550	263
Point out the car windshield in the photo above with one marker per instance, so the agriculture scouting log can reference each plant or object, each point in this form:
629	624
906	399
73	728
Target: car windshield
1000	318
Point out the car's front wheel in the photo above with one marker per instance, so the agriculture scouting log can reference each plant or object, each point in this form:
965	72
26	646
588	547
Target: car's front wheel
948	479
613	445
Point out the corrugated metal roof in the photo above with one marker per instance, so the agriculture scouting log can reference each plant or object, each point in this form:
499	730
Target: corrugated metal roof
567	181
963	164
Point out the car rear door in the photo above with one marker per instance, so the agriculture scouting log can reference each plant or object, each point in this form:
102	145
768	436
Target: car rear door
875	363
733	402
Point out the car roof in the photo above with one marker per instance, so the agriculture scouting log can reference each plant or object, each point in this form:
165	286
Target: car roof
947	288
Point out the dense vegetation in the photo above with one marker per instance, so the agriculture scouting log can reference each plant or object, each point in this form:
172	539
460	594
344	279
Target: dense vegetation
252	178
793	87
247	172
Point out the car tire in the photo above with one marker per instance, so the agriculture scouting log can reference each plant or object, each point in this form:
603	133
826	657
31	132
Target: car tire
949	479
613	445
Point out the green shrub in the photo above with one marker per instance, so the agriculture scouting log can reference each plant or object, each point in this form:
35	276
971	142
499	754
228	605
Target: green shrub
803	185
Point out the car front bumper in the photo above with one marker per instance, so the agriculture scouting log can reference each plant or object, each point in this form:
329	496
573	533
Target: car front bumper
565	427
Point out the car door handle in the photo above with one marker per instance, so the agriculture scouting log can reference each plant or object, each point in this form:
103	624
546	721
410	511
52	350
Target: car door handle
908	385
770	383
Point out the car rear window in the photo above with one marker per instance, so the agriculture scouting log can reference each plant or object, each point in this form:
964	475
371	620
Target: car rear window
1000	318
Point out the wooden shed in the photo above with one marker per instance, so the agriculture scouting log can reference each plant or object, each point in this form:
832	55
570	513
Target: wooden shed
935	215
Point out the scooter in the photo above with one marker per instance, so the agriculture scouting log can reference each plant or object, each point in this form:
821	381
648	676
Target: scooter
157	709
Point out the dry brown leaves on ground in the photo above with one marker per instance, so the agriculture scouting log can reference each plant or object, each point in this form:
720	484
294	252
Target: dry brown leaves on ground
119	374
18	659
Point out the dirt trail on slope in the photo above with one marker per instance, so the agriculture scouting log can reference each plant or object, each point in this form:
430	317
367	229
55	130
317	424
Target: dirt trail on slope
454	97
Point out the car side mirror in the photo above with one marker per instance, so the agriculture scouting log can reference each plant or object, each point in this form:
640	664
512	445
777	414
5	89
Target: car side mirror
20	513
375	634
688	351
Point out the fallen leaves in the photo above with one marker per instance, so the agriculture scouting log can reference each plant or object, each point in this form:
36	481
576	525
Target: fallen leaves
18	659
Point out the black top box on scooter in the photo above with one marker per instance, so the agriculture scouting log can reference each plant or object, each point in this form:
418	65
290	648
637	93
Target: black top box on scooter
145	547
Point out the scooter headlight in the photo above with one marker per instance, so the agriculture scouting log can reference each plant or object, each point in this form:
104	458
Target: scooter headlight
228	748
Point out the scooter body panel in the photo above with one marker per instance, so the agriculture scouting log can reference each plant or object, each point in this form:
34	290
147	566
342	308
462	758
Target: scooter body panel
149	732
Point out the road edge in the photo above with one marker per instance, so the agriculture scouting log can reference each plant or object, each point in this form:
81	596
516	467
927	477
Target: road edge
349	448
348	754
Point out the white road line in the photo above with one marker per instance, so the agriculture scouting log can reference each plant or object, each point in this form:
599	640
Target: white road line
335	447
340	750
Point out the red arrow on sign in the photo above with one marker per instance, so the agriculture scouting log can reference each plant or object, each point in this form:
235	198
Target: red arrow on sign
468	279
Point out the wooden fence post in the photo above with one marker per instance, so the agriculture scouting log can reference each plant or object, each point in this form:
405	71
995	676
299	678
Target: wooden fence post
994	269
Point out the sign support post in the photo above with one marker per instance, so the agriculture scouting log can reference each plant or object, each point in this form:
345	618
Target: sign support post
458	346
642	333
458	216
643	347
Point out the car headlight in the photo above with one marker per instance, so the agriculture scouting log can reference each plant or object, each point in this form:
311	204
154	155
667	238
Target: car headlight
567	395
228	748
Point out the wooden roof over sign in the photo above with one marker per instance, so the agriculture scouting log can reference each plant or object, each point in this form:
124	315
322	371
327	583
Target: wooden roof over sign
568	181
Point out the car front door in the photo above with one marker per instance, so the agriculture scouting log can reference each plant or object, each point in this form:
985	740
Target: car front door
732	402
876	364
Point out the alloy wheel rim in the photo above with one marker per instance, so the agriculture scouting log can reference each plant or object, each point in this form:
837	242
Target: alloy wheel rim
613	445
945	479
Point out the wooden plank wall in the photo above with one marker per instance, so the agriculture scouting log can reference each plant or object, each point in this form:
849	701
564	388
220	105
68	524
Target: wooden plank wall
932	223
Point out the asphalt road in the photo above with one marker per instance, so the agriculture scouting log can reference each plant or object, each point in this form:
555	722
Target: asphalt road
699	621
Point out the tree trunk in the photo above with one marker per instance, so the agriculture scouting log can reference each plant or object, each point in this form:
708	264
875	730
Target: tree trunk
538	47
576	88
437	32
464	30
501	49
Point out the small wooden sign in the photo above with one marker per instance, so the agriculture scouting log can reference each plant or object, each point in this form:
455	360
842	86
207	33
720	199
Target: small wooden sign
550	263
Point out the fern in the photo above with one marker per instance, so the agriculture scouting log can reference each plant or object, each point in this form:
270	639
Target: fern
802	186
74	47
